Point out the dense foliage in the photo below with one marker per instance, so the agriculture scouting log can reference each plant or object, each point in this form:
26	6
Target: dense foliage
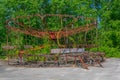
105	11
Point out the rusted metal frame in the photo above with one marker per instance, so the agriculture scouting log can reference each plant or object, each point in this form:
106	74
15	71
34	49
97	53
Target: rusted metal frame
75	57
63	33
96	58
81	58
43	16
71	23
82	62
87	29
8	59
56	58
74	31
60	16
11	59
38	34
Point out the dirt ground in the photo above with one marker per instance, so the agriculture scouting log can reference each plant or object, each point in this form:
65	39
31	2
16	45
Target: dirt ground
111	71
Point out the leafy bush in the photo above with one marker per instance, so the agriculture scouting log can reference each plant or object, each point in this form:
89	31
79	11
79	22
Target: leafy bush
109	51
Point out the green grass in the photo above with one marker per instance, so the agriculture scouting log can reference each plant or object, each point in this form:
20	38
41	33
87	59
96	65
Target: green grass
109	51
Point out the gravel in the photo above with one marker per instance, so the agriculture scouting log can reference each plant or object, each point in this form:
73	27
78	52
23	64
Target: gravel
111	71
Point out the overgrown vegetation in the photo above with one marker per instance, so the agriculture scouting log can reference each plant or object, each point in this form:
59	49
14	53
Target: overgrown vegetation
105	11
